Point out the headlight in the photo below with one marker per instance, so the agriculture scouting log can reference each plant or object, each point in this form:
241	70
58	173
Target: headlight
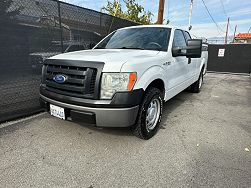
114	82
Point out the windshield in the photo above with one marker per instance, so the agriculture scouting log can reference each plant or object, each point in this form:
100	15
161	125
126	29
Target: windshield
145	38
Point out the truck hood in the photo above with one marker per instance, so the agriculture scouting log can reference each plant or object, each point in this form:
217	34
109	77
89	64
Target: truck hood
113	58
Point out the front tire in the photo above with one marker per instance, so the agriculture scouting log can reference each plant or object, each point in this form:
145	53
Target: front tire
149	115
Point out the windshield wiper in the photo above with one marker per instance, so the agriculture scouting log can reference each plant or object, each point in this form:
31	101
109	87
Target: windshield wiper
134	48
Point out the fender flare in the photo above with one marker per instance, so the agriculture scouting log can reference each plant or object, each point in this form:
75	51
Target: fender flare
151	74
202	65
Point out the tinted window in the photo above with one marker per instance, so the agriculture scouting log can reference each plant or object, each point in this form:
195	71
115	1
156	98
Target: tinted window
147	38
179	40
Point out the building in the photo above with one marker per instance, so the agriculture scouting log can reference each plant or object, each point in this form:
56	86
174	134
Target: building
243	38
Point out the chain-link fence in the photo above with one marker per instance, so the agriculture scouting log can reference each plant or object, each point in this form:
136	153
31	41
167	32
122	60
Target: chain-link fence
33	30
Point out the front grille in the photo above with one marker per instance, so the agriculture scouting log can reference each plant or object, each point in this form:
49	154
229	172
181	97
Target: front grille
80	81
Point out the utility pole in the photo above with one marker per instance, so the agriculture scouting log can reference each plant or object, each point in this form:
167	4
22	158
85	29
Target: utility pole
227	30
190	15
161	11
234	33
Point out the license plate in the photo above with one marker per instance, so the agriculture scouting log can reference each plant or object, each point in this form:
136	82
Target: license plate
57	111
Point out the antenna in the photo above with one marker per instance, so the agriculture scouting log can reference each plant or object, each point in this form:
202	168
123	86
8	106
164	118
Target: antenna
190	15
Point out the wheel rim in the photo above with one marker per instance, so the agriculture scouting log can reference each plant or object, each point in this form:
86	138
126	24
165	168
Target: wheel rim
152	115
200	81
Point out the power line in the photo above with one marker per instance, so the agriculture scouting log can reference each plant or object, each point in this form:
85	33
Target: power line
225	13
218	27
223	7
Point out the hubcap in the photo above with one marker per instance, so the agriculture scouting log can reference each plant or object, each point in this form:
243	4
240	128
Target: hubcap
152	115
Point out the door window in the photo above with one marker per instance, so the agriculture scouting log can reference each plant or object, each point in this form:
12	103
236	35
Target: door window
179	40
187	35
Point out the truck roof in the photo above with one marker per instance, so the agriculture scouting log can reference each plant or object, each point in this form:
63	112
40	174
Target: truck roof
155	25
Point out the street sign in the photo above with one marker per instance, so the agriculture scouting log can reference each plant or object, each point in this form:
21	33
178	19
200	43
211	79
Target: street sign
221	52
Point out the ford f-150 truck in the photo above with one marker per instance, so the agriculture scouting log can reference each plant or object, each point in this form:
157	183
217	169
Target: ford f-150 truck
124	80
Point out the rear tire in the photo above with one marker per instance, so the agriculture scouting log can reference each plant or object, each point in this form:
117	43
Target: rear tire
196	86
149	115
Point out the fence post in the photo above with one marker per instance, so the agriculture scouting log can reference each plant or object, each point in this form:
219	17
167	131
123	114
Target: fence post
60	26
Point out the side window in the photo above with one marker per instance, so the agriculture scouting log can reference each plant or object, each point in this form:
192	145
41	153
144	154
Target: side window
179	40
187	35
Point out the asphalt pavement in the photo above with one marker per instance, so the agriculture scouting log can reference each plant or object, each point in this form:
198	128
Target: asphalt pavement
204	141
19	95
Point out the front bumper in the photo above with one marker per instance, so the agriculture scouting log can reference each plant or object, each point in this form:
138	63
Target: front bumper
121	111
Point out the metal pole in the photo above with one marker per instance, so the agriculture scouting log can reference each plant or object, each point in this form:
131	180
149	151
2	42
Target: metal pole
227	31
161	11
60	26
234	33
190	15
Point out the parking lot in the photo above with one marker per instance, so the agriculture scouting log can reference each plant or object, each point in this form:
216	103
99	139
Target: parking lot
203	142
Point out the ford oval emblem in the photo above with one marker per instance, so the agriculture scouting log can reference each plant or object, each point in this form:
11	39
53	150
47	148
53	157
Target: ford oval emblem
59	78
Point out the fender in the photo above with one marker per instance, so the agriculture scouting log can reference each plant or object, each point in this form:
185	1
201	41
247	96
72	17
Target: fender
151	74
204	58
202	63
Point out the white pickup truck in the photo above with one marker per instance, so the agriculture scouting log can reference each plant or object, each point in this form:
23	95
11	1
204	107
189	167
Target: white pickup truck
124	80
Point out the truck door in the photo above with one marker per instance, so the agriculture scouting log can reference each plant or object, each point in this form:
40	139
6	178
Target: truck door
192	63
179	64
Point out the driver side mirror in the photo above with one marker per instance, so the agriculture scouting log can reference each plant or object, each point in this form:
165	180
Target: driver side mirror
194	48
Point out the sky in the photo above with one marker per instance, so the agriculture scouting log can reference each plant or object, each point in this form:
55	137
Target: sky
177	12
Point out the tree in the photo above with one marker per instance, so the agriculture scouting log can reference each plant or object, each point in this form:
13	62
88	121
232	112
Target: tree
113	8
134	11
7	12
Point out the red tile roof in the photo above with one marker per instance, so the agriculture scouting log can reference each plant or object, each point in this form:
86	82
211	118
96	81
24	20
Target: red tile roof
243	36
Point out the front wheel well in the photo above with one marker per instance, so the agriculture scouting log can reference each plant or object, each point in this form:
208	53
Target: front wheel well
158	83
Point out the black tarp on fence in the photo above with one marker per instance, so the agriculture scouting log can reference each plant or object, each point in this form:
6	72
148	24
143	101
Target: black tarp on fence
32	30
236	58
